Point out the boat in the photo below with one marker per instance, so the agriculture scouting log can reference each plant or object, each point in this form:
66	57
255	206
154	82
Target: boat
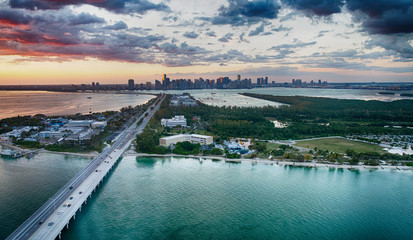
89	97
9	153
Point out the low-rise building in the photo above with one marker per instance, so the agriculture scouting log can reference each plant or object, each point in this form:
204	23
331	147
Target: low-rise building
50	134
80	123
193	138
102	124
173	122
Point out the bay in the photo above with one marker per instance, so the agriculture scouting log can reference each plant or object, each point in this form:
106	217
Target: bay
179	198
26	184
13	103
231	97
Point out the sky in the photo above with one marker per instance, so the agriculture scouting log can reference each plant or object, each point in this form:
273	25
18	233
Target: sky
111	41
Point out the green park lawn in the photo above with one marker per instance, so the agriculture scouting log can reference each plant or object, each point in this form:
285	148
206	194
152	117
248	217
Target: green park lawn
339	145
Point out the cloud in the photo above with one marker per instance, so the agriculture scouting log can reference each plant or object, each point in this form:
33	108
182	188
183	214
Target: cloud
117	26
226	38
183	49
296	44
316	7
192	35
340	63
395	42
258	30
281	28
120	6
63	35
384	17
211	34
86	18
231	55
14	17
241	12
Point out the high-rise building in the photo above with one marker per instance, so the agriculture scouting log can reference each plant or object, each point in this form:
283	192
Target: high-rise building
165	82
131	85
93	86
239	77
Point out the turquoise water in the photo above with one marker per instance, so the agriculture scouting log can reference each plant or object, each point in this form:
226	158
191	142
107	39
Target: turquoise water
26	184
148	198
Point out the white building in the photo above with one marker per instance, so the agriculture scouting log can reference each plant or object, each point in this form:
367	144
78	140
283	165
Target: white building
79	123
99	124
173	122
50	134
193	138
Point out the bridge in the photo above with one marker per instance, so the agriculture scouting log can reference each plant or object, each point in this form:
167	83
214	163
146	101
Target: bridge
50	219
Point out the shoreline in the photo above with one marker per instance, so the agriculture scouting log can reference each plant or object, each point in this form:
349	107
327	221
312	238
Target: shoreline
92	154
272	162
246	160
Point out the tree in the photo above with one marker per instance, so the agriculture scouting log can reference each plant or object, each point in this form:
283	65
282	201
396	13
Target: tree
308	157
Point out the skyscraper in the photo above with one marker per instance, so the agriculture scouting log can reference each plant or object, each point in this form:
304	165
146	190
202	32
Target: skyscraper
131	85
165	82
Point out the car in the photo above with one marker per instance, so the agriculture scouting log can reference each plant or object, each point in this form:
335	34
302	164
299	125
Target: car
68	205
65	205
41	222
96	170
80	192
71	198
58	213
71	187
50	224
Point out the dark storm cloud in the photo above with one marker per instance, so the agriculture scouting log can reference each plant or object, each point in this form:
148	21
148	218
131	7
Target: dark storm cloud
316	7
14	17
377	16
120	6
64	36
384	17
241	12
192	35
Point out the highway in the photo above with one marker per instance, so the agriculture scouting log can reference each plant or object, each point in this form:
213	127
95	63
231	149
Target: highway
49	220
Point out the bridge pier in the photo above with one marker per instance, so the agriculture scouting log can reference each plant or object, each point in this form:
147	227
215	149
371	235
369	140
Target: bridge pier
60	235
67	225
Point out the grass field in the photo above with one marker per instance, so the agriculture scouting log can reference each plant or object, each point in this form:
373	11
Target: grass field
339	145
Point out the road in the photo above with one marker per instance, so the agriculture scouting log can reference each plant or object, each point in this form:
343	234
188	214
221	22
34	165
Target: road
48	221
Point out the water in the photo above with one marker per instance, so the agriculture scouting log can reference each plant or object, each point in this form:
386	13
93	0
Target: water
230	97
181	198
26	184
13	103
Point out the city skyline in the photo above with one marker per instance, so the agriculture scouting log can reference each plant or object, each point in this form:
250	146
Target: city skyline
108	41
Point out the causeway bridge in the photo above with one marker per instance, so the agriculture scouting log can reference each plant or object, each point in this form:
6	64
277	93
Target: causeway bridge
50	219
